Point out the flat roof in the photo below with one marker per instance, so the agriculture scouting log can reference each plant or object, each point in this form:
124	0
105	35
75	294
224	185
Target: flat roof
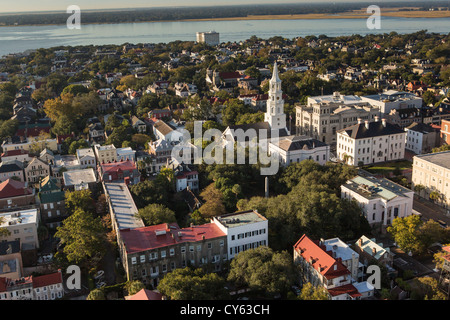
342	249
123	206
371	187
75	177
237	219
441	159
19	217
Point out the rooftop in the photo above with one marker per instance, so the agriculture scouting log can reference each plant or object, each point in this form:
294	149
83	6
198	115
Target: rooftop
19	217
123	206
166	234
441	159
76	177
237	219
371	187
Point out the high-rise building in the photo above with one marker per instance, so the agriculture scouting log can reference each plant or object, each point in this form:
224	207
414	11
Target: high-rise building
211	38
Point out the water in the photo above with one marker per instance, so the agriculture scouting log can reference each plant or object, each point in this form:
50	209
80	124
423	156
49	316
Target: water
21	38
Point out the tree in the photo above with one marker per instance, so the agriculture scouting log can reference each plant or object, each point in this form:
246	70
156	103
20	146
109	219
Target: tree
309	292
213	205
82	237
192	284
3	231
96	294
155	214
79	199
263	270
404	231
134	287
426	288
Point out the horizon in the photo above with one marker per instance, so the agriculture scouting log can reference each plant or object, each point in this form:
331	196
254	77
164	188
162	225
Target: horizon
54	6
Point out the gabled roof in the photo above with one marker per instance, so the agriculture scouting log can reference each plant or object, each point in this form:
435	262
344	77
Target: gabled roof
321	260
145	294
13	188
47	280
118	166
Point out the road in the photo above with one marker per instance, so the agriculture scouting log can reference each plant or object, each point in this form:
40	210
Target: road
430	210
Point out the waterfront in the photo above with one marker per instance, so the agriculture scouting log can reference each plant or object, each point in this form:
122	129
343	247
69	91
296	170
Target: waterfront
21	38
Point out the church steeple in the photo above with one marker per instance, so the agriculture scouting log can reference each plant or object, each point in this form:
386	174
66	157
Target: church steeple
275	115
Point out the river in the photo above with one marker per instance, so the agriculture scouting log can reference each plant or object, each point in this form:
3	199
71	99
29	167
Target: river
20	38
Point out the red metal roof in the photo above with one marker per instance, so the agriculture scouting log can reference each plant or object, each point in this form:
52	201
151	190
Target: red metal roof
116	166
13	188
146	294
348	289
320	259
47	280
163	235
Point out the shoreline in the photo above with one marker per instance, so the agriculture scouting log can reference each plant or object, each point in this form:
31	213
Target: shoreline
360	14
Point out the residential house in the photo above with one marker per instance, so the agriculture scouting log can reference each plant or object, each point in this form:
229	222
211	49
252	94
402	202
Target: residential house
421	138
372	252
123	171
22	225
80	180
52	202
124	154
11	265
86	158
105	154
139	125
36	170
16	194
11	170
19	155
444	134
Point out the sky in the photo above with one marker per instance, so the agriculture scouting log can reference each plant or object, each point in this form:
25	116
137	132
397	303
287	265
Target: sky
61	5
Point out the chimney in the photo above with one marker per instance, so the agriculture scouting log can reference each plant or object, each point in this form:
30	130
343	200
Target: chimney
359	120
366	123
377	118
383	121
374	251
360	242
9	250
266	189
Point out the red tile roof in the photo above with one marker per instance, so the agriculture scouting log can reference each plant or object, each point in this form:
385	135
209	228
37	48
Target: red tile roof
11	153
13	188
320	259
47	280
148	238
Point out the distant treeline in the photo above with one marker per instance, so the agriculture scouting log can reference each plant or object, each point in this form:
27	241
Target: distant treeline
163	14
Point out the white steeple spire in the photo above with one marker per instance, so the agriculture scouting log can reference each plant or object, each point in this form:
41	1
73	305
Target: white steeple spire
275	115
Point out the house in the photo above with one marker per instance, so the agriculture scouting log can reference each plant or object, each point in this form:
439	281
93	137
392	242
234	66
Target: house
36	170
292	149
156	89
96	132
444	133
44	287
22	225
52	202
16	194
124	154
80	179
158	114
105	154
47	156
381	200
371	142
165	131
323	267
186	178
123	171
11	265
370	251
11	170
421	138
392	99
19	155
138	124
86	158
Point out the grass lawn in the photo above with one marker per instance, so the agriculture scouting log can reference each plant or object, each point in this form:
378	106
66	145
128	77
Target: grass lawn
389	166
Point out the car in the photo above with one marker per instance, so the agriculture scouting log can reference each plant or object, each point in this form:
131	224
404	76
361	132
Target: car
443	224
99	274
296	290
100	285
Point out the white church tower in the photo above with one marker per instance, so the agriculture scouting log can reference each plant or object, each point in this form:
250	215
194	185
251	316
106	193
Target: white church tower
275	115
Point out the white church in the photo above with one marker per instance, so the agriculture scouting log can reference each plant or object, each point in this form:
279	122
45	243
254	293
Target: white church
273	134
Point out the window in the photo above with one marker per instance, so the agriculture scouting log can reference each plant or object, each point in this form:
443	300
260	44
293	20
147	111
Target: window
209	245
172	252
133	260
163	254
142	258
191	248
183	249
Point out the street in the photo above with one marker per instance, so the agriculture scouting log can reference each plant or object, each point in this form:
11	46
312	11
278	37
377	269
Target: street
430	210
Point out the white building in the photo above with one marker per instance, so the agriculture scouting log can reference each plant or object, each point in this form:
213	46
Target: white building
391	99
370	142
22	225
124	154
421	138
381	200
211	38
293	149
245	230
86	157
